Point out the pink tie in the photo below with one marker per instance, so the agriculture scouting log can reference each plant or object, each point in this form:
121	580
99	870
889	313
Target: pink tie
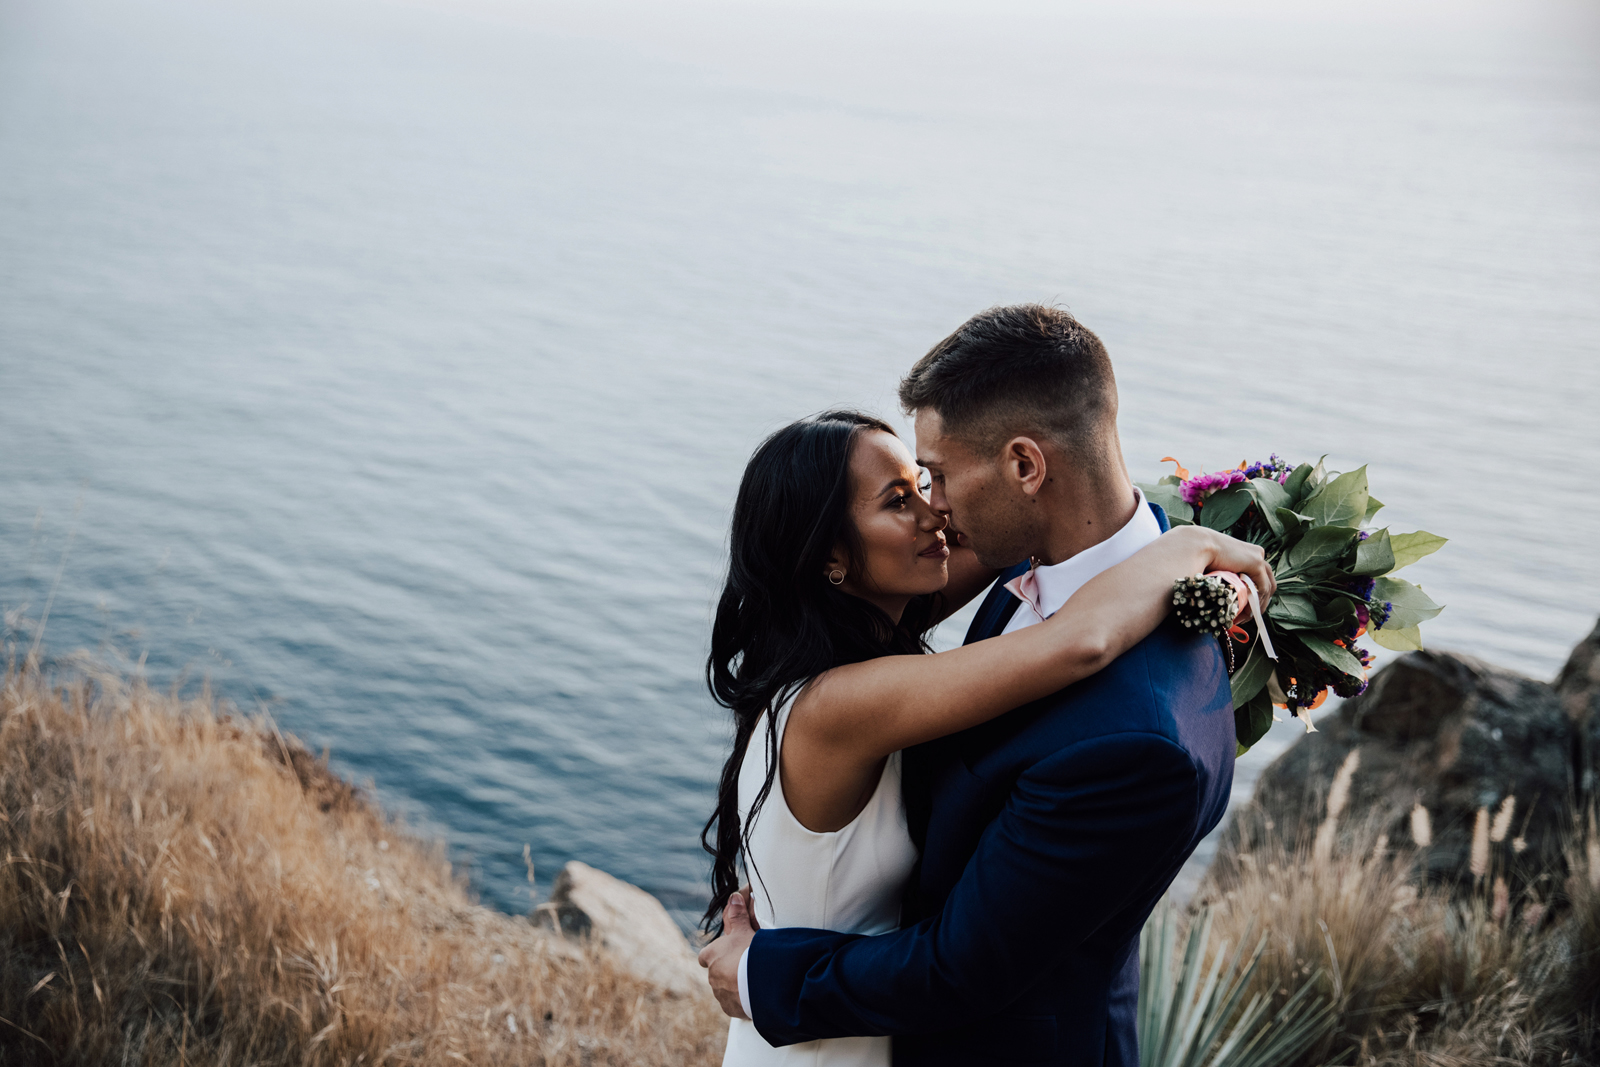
1025	587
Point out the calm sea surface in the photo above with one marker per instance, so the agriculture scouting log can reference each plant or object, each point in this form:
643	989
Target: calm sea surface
393	366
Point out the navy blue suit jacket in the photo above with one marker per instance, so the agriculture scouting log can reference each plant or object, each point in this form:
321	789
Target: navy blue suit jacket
1048	836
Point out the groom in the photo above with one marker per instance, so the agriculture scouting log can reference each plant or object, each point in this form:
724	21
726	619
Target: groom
1048	834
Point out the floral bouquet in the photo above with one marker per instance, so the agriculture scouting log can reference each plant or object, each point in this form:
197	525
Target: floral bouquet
1334	583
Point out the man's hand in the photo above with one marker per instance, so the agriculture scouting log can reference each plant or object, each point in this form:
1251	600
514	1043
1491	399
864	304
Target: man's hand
721	957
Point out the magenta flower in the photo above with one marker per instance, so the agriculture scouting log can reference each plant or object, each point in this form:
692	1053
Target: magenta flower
1196	489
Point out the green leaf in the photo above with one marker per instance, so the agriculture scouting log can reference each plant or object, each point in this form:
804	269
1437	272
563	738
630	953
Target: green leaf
1375	555
1410	547
1294	524
1269	497
1342	502
1374	505
1296	484
1249	679
1339	614
1252	720
1223	509
1405	639
1298	625
1170	497
1336	656
1293	611
1410	604
1320	545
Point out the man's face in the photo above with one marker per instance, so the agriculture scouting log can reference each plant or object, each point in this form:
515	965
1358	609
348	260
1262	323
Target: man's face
987	514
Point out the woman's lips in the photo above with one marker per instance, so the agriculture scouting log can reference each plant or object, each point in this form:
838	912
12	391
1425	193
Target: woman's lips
937	550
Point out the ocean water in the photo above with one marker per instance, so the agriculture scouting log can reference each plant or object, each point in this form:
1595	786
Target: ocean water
392	366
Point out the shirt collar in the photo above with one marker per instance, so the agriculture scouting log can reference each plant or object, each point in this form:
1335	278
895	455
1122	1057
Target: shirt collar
1056	583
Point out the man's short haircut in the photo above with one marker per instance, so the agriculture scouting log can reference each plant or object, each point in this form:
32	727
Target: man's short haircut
1026	370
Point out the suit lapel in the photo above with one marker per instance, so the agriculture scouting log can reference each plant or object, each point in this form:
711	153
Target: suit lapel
996	609
917	762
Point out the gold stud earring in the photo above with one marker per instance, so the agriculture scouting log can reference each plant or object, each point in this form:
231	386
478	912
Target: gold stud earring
836	576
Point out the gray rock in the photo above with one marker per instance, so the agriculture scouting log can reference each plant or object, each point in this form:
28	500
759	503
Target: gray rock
629	924
1446	731
1578	689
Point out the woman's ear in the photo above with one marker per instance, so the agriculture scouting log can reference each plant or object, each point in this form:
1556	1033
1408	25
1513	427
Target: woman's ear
837	569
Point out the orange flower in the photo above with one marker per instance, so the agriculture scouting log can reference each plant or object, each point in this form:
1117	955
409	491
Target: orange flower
1313	706
1181	472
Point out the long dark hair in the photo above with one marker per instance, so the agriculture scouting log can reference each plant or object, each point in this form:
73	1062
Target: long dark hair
779	621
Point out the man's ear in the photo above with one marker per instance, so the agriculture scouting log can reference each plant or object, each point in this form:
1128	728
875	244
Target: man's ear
1024	461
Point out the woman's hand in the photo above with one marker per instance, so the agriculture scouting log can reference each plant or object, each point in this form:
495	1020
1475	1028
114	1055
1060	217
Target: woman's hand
1232	554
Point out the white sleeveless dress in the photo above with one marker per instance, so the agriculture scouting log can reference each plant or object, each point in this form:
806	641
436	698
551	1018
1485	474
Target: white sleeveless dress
849	880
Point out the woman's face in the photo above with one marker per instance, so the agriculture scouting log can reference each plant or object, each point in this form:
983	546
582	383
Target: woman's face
902	538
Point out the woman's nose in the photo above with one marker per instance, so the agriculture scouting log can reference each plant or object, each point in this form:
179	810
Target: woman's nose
933	520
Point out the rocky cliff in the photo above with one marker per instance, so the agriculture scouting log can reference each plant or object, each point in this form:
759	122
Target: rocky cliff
1452	750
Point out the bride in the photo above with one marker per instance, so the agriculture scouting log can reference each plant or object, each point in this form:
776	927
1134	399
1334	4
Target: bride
839	567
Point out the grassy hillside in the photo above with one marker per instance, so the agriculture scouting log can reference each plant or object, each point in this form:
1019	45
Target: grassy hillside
1419	975
182	887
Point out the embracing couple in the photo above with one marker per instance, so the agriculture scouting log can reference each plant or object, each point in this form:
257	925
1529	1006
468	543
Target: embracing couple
950	856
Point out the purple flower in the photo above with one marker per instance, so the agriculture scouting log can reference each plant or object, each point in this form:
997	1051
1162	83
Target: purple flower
1272	467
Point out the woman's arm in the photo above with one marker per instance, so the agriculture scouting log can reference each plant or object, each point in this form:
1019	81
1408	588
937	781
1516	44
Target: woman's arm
850	718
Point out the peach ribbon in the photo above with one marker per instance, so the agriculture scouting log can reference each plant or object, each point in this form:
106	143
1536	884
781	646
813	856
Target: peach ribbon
1249	603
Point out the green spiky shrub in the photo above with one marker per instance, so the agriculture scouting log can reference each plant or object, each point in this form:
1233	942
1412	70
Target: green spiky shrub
1192	1014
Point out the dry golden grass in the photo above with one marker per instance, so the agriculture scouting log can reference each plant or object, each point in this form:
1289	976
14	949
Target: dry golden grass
182	889
1421	977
